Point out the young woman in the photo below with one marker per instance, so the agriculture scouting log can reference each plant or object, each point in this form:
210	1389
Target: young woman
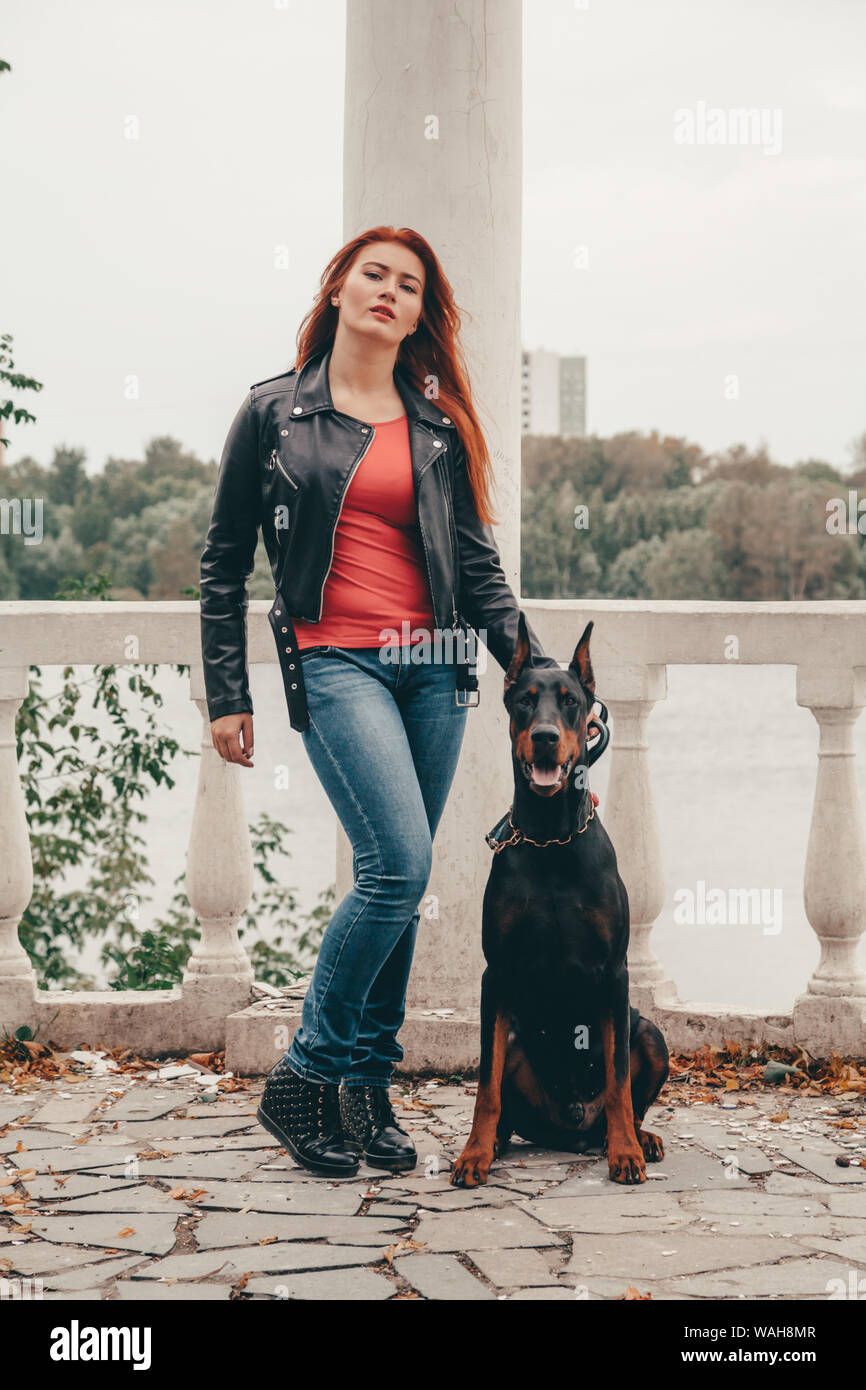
366	467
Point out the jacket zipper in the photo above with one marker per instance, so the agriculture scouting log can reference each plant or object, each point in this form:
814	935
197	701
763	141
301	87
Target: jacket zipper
427	562
367	444
275	457
453	533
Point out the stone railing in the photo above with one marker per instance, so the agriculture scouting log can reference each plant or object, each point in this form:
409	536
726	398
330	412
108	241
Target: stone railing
633	644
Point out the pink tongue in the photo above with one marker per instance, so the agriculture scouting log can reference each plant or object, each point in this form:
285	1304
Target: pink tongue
546	777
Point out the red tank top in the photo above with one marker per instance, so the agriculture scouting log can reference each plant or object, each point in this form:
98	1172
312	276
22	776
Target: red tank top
378	576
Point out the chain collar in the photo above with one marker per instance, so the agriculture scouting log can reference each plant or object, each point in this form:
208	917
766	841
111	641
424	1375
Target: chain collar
517	834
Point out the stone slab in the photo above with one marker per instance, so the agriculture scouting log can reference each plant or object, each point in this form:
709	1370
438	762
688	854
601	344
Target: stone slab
416	1182
800	1183
92	1276
488	1228
12	1110
637	1211
37	1140
206	1144
639	1256
151	1234
139	1291
823	1165
129	1200
851	1248
174	1127
554	1294
240	1107
222	1229
464	1199
73	1296
442	1277
143	1103
789	1279
44	1186
259	1259
58	1110
763	1213
365	1285
75	1158
847	1203
685	1171
32	1257
612	1290
193	1167
516	1268
293	1199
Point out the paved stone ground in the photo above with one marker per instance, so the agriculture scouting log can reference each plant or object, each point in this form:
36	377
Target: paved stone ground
120	1188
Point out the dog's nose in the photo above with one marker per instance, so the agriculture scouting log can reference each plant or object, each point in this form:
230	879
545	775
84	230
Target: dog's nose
545	737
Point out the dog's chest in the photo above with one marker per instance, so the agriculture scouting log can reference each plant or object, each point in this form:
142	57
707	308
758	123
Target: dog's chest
547	927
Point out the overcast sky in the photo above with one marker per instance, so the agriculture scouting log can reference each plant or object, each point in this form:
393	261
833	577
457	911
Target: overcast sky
154	256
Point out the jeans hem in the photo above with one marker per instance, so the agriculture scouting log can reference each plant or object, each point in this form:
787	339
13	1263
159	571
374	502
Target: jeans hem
308	1075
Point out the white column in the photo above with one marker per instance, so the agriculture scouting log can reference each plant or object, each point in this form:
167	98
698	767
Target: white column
17	976
219	879
832	1012
630	820
433	141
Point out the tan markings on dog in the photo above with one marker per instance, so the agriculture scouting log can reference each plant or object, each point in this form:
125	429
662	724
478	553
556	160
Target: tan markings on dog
473	1165
625	1159
523	746
652	1145
510	913
600	920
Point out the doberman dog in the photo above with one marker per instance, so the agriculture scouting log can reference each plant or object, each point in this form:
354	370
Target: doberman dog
565	1060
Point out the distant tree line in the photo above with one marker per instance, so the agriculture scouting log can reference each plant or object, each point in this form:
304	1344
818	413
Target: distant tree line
632	516
642	516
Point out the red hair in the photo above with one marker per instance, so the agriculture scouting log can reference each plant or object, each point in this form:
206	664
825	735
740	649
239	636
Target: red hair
431	357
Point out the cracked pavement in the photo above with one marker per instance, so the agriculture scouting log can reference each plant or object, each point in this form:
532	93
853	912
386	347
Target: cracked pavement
121	1189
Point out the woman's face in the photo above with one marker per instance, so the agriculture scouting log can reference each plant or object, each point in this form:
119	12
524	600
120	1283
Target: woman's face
382	292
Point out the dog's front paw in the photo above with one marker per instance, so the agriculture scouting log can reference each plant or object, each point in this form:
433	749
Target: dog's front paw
653	1148
626	1164
473	1165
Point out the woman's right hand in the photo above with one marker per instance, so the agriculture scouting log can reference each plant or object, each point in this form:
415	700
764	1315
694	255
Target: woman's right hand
227	733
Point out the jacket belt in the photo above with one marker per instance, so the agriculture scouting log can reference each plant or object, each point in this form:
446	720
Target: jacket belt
290	664
467	681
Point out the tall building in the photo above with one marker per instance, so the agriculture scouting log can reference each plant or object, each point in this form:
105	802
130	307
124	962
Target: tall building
552	394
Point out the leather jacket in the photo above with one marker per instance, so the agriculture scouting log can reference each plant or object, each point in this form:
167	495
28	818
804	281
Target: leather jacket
286	465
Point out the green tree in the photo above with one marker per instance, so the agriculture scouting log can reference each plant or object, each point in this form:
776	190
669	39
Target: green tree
83	789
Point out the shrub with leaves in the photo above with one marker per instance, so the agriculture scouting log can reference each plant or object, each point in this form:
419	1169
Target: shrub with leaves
84	789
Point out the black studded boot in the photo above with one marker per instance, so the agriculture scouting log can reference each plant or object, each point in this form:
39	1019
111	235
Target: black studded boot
369	1121
305	1117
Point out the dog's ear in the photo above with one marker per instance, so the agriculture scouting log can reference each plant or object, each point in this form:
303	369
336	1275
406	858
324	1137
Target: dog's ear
580	663
521	654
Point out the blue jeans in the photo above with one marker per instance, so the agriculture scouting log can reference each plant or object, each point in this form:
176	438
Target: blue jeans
384	739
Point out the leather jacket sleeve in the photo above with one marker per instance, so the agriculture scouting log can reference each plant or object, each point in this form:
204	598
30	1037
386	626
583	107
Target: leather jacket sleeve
486	598
226	564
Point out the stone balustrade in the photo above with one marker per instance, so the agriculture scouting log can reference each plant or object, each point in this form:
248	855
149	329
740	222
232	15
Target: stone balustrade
633	643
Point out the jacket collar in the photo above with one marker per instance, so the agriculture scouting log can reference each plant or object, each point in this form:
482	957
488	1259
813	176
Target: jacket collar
313	393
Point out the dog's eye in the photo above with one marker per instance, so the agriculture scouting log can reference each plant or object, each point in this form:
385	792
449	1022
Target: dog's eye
525	700
569	699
